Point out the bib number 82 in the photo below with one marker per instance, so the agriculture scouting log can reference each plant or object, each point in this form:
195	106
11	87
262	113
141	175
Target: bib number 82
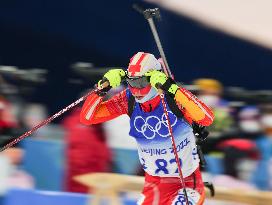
162	165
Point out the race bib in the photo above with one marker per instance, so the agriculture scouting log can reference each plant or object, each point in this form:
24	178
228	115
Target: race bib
158	159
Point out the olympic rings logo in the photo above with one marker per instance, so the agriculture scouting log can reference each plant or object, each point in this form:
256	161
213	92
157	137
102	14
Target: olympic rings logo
153	125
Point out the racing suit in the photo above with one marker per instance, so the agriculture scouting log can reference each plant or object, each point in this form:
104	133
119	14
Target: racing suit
149	128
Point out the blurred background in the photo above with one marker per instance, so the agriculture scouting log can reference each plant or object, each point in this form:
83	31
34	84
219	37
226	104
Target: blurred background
51	52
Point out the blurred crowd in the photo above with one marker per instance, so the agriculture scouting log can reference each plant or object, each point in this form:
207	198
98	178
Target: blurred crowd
238	150
240	138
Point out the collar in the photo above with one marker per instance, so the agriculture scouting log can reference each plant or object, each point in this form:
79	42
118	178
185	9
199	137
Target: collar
150	105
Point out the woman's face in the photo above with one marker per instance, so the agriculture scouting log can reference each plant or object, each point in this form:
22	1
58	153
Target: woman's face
139	93
139	86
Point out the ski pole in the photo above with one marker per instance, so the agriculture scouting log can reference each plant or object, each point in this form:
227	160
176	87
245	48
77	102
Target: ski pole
182	181
149	14
48	120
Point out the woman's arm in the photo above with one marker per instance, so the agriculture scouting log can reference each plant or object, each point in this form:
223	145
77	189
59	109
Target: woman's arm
193	108
95	110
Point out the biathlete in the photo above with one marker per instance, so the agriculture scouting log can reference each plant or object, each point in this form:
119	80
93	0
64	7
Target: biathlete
148	125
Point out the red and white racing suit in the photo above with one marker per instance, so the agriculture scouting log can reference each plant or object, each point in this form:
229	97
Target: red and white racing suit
162	183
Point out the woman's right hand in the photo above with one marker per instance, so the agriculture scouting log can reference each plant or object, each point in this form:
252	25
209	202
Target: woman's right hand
114	77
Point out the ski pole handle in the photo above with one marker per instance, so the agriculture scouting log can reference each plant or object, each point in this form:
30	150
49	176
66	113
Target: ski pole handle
159	88
105	83
160	91
149	15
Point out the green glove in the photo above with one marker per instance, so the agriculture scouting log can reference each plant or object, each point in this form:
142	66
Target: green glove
158	79
114	76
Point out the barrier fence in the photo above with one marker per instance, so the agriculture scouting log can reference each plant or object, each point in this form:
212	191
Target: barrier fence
109	185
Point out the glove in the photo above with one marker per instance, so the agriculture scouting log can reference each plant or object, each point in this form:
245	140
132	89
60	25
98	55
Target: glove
159	80
114	76
200	132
